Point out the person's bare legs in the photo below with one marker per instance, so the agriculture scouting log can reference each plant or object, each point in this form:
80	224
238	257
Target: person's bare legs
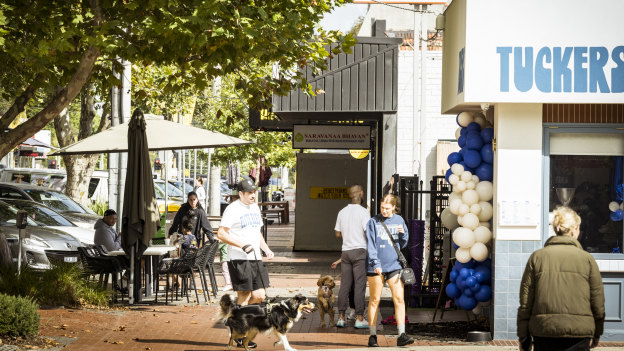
396	288
375	284
243	297
257	296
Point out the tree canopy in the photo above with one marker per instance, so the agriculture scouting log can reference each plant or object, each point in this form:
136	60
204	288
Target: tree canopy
58	46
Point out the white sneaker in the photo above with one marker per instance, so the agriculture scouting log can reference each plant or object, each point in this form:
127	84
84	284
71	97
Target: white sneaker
350	314
227	288
340	323
363	324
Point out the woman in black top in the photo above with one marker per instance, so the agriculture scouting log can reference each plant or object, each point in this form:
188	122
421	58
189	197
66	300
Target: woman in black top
195	214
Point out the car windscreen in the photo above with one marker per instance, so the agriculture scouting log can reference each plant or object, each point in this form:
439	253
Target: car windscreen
171	189
43	216
55	200
8	214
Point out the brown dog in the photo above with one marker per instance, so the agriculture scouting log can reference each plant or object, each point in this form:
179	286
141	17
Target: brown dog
326	299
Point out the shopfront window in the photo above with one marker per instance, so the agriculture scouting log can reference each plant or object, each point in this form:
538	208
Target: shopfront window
586	175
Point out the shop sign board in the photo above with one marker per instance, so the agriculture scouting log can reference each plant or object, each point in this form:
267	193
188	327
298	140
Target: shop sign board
531	51
329	193
331	137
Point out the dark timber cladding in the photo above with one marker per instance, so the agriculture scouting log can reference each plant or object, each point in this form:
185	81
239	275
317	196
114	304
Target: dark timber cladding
362	83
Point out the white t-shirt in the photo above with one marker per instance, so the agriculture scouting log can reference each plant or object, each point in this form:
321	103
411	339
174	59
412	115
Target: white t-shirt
351	223
245	224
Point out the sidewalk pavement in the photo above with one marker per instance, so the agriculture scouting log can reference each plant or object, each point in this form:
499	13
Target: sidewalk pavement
195	326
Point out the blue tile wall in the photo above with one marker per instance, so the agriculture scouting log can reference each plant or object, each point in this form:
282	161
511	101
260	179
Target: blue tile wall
509	259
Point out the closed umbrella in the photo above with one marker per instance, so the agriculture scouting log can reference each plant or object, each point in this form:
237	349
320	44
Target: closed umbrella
140	220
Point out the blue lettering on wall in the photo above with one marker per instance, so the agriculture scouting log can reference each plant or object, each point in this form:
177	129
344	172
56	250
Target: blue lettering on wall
560	69
460	75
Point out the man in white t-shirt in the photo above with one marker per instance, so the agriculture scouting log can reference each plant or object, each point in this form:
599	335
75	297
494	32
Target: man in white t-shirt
351	227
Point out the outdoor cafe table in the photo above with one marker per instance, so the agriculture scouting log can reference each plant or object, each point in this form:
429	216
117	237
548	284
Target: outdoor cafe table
153	252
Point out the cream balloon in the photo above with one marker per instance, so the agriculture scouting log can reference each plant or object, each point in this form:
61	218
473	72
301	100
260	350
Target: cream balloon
463	237
470	185
449	220
460	186
454	195
453	179
470	197
475	178
454	206
485	190
466	176
486	211
482	234
613	206
457	169
479	119
462	255
477	310
479	252
470	221
475	209
464	119
460	220
463	209
485	224
458	133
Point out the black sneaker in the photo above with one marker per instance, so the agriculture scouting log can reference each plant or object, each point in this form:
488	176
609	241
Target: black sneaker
404	340
372	341
251	344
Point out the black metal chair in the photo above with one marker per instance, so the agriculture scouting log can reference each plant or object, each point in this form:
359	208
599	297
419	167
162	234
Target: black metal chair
210	266
205	256
181	267
103	266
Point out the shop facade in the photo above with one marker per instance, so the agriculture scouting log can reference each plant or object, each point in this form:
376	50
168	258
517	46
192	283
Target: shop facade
550	75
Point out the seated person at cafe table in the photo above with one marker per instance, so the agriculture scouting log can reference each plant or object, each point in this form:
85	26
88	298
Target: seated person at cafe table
192	211
105	233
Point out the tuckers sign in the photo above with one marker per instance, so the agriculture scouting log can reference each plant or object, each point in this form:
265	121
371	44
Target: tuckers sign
331	137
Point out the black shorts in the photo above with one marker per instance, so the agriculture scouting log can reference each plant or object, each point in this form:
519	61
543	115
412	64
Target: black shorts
248	275
386	275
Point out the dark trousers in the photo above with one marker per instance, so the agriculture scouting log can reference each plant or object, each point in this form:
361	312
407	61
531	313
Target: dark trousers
353	270
561	344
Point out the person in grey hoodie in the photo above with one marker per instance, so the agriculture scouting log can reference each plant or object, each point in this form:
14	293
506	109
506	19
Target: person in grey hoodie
105	233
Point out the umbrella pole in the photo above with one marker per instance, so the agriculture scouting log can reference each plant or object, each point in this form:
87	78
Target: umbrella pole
166	181
131	279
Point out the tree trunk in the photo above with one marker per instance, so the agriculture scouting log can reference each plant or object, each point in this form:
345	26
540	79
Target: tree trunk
17	107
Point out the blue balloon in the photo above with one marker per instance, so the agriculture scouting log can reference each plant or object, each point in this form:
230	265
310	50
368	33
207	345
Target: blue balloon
484	294
468	292
454	157
455	246
463	131
483	275
471	272
452	291
487	135
474	126
475	287
453	275
467	303
448	174
466	168
471	281
458	265
470	264
487	155
485	172
460	282
461	141
472	158
617	215
464	273
474	141
486	263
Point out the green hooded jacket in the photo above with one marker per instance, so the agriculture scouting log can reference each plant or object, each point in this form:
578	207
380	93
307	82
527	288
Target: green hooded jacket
561	293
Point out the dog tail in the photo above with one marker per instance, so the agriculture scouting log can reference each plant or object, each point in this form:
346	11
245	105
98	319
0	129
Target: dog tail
227	305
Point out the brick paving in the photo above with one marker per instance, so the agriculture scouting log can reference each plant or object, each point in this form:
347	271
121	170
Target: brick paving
195	326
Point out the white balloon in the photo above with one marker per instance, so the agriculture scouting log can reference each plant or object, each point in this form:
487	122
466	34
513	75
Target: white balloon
449	220
613	206
485	224
457	169
460	186
453	179
463	209
477	310
454	206
485	190
479	252
464	119
486	211
462	255
479	119
460	220
470	197
470	185
454	195
470	221
482	234
458	133
466	176
622	206
475	178
463	237
475	209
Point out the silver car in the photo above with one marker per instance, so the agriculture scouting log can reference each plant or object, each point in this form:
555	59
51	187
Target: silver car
43	245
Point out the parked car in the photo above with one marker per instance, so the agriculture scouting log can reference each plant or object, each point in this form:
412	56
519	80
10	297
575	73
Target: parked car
43	245
179	184
56	200
173	192
47	217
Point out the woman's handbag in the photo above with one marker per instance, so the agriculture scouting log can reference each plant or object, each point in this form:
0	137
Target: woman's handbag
407	273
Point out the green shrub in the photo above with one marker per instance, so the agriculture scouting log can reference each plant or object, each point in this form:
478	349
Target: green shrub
18	316
25	284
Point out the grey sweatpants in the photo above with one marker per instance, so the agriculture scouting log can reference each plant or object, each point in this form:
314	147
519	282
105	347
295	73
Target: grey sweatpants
353	270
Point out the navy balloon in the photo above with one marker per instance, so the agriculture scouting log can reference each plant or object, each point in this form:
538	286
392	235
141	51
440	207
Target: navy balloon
464	273
452	291
467	303
471	281
487	154
484	294
472	158
485	172
463	131
483	274
461	141
458	265
617	215
460	283
455	246
474	141
468	292
473	126
448	174
475	287
454	157
453	275
487	263
470	264
487	135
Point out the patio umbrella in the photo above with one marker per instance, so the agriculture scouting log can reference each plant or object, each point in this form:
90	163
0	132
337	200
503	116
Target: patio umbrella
140	217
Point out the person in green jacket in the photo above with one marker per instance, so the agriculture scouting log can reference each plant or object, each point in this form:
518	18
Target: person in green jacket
561	293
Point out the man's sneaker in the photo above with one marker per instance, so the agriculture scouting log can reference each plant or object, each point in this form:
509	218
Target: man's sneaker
351	314
340	323
361	324
372	341
404	340
251	344
227	288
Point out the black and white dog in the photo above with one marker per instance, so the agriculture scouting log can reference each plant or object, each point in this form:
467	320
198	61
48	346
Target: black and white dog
278	317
